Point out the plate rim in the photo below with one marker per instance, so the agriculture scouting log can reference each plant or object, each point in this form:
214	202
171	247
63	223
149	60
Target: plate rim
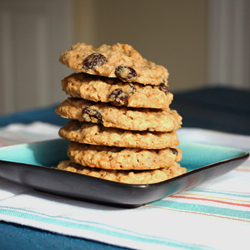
111	193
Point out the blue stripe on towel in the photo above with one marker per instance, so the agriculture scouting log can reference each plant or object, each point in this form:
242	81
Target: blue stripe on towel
241	195
197	208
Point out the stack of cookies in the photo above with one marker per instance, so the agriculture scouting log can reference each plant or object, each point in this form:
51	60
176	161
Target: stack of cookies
121	127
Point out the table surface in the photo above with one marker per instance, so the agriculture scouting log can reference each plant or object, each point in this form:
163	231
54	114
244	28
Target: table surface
221	109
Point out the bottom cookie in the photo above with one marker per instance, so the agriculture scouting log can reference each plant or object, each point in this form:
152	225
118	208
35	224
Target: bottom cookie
125	176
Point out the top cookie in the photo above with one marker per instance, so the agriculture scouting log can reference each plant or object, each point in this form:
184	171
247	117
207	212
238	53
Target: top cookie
119	60
104	89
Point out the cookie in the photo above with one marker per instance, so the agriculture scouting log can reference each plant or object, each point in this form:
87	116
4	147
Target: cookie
118	158
103	89
117	61
123	176
120	117
90	133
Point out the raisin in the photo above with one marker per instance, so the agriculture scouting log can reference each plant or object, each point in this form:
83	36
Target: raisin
93	60
91	115
163	88
100	128
174	151
126	73
132	88
118	97
77	126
